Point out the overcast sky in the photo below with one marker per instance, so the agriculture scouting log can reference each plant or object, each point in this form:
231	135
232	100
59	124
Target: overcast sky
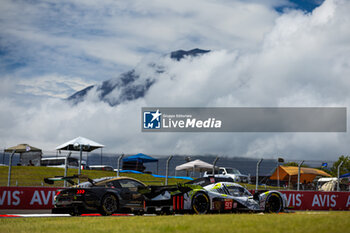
264	53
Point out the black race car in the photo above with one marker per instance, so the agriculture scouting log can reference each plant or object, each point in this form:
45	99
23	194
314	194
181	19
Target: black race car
106	196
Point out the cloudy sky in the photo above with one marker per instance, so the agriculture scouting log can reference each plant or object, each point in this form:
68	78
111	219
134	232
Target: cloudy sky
264	53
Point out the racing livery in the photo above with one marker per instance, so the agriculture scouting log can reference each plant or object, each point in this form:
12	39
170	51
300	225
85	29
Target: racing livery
212	194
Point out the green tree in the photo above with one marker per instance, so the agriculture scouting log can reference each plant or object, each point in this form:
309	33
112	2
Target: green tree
345	168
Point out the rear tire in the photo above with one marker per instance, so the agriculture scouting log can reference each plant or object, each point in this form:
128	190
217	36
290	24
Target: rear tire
200	203
109	204
274	203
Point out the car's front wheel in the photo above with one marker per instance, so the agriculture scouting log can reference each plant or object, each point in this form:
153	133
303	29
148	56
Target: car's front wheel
200	203
109	204
274	203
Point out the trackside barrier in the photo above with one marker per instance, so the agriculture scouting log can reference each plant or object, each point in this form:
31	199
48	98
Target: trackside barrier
27	197
311	200
42	198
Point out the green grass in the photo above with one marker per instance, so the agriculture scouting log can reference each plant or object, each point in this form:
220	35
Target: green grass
310	222
34	176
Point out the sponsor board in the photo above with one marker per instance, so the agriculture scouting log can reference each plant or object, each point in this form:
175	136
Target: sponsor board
27	197
43	198
312	200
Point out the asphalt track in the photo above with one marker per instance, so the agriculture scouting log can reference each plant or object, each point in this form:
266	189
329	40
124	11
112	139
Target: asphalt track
55	215
14	213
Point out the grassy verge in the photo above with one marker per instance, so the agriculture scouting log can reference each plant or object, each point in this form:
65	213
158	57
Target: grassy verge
317	222
34	176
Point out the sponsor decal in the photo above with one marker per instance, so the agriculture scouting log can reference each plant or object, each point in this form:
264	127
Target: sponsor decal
228	205
10	198
293	199
324	200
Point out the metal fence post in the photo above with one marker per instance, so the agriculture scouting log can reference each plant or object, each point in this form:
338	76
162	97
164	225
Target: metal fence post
338	174
214	163
299	165
257	174
10	166
279	160
167	169
80	158
66	168
118	165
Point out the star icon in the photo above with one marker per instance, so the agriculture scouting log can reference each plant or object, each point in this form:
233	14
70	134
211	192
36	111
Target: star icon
156	115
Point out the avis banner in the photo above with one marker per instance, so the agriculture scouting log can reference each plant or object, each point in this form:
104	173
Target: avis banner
312	200
43	198
27	197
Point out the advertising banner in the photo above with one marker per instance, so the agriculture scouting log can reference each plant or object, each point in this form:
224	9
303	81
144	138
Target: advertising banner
312	200
27	197
43	198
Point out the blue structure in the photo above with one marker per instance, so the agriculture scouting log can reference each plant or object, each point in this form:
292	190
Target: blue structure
140	158
135	162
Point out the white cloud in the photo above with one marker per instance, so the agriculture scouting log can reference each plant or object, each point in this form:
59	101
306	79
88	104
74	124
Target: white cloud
260	58
53	85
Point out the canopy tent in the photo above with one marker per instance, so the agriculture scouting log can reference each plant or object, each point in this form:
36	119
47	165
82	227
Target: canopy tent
196	165
74	145
29	155
135	162
141	158
80	144
289	173
22	148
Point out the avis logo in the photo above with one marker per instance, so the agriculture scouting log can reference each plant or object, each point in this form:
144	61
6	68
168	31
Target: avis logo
152	120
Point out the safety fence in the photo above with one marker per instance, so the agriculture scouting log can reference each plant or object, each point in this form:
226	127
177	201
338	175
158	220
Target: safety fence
249	168
43	198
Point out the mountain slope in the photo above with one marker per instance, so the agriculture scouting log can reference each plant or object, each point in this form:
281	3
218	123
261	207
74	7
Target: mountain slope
130	85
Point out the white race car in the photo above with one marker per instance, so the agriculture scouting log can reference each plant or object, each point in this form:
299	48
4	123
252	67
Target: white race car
210	194
269	201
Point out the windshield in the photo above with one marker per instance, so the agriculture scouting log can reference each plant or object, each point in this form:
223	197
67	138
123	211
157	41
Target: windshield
238	191
232	171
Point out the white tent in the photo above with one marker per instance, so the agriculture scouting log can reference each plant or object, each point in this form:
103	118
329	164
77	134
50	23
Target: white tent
196	165
87	145
80	144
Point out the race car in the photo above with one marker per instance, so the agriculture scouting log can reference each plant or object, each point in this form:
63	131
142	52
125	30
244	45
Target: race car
269	201
106	196
211	194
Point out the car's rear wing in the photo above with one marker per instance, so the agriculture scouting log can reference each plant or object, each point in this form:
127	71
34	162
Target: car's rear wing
69	179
